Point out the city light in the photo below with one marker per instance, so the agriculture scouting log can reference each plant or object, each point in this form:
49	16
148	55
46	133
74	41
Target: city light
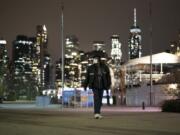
32	63
3	42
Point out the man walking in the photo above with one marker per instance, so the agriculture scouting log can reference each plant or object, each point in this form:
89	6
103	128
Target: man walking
98	79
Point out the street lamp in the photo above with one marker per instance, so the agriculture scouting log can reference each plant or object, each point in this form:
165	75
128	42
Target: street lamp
62	47
150	15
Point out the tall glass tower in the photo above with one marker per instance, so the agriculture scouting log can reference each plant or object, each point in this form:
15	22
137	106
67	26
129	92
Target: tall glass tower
134	42
116	52
3	58
42	55
72	58
22	52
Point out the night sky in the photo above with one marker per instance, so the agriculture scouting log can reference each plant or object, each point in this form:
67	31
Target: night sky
91	20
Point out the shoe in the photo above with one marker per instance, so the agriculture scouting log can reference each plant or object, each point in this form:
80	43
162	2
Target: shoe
98	116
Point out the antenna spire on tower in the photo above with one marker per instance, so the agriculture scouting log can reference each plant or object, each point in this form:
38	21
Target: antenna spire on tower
62	5
135	17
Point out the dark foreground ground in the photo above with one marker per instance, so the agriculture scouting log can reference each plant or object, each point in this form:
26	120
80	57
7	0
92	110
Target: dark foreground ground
69	122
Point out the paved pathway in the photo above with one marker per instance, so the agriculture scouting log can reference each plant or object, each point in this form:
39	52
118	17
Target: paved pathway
78	109
29	119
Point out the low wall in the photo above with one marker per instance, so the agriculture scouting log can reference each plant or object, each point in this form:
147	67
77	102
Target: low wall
136	96
42	101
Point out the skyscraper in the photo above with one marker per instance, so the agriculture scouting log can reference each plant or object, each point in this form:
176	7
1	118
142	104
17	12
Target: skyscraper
3	57
22	52
71	62
31	59
25	70
134	42
42	55
116	52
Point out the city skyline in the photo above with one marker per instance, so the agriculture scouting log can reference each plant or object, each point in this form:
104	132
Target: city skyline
91	20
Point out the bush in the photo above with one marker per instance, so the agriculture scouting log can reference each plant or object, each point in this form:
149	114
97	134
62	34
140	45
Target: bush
171	106
11	96
54	100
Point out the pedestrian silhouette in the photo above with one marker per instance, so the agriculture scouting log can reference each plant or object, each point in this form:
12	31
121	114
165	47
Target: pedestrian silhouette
98	79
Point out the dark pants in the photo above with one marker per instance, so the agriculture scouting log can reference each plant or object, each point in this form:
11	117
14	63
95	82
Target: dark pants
108	97
98	95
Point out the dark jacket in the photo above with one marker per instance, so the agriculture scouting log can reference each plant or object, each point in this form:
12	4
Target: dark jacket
96	81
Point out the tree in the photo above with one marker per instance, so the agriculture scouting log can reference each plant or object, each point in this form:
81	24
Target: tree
2	78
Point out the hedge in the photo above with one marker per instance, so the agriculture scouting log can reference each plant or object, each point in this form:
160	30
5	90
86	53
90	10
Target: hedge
171	106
